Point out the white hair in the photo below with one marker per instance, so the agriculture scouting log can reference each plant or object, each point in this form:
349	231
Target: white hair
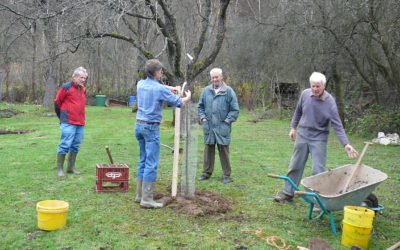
317	77
216	70
78	71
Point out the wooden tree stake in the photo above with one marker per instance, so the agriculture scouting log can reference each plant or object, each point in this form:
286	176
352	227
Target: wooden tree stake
175	168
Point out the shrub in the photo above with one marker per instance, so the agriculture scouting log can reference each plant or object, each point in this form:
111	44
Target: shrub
372	120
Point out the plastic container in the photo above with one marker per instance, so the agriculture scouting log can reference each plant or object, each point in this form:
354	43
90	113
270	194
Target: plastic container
52	214
132	100
100	100
358	216
357	226
355	236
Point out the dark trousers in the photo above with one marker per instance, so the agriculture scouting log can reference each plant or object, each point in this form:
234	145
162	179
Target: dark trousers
209	159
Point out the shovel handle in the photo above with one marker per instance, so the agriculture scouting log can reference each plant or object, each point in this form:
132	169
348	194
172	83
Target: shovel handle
363	152
395	246
273	175
109	155
300	193
355	167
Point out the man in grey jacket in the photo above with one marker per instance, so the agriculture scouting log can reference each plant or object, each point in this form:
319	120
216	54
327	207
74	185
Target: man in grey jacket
217	109
315	113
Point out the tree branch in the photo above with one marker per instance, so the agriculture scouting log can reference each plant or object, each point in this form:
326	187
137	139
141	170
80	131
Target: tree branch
202	64
204	27
130	40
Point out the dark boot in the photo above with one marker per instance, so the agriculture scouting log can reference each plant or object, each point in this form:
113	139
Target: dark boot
139	183
283	198
60	164
147	196
71	163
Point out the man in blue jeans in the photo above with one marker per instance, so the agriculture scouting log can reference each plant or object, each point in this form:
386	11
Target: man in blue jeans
150	98
315	113
70	108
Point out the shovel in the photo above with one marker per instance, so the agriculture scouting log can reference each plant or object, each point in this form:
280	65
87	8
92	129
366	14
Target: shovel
109	154
356	166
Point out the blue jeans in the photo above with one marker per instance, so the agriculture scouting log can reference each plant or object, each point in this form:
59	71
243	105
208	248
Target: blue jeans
148	137
71	138
302	148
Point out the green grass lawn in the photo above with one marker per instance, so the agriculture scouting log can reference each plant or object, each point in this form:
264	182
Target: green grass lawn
114	221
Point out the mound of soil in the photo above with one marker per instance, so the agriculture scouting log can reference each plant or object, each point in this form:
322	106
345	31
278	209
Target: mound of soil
316	243
204	203
7	113
8	132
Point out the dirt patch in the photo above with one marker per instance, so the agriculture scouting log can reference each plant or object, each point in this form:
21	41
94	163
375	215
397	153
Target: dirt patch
255	120
204	203
8	132
237	218
316	243
7	113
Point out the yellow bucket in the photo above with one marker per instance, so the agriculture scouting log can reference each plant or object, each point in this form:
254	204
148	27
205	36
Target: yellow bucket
357	226
358	216
52	214
355	236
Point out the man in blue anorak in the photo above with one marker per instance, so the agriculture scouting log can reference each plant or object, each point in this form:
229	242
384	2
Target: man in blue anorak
218	107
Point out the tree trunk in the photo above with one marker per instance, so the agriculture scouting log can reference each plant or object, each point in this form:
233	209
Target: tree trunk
189	159
98	69
34	56
338	89
6	79
51	86
51	35
1	85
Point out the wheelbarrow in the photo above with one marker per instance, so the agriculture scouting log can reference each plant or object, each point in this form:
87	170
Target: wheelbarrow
332	190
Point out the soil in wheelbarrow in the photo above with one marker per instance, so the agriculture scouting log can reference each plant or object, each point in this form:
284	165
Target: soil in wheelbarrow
204	203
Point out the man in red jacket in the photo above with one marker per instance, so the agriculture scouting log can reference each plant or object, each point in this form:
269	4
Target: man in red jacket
70	109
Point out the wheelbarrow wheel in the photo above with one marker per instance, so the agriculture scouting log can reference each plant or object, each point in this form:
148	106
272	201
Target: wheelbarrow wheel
372	201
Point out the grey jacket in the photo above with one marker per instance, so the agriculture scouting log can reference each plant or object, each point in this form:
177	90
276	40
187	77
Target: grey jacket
313	117
220	110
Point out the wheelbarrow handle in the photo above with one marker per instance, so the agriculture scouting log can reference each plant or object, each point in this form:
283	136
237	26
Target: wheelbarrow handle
300	193
273	175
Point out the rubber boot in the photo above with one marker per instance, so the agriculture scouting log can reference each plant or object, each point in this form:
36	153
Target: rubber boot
71	163
60	164
147	196
139	183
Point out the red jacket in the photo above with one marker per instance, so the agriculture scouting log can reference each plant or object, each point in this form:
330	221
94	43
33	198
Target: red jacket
70	103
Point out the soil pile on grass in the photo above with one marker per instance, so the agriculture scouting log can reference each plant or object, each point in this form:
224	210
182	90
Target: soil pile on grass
8	132
7	113
204	203
316	243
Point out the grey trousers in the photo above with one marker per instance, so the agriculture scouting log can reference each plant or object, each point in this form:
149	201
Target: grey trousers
209	159
302	148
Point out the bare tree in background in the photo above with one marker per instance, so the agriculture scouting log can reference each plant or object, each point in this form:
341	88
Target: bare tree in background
368	33
162	14
52	16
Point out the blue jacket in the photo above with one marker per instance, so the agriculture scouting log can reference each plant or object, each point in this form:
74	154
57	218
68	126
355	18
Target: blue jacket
150	97
220	110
